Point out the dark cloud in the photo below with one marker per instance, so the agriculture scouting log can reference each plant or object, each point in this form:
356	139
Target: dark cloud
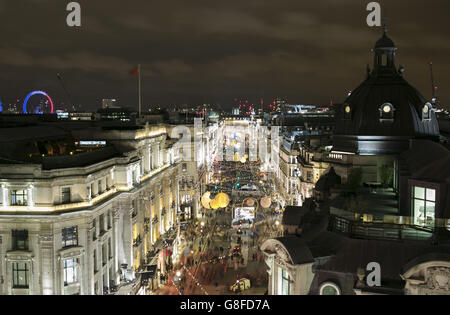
212	51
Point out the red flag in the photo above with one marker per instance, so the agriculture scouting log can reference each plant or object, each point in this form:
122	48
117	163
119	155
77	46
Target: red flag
134	71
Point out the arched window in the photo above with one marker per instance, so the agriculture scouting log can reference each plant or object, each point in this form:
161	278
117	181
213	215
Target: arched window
347	110
386	112
426	111
329	288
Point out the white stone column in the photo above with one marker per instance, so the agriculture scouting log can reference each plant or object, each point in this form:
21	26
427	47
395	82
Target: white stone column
115	243
30	200
5	196
46	264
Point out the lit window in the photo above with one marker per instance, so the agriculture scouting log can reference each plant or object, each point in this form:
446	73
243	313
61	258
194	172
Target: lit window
423	203
426	111
347	111
285	283
329	288
20	275
70	271
387	112
19	197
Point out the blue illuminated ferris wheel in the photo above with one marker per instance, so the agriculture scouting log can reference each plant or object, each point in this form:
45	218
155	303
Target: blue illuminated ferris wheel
44	106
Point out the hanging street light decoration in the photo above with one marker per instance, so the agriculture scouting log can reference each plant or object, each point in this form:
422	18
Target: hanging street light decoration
222	200
266	202
206	200
250	202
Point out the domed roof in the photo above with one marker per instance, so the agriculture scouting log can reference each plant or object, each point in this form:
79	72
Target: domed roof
384	41
384	110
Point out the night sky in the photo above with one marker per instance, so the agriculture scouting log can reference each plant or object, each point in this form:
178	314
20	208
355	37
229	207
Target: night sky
211	51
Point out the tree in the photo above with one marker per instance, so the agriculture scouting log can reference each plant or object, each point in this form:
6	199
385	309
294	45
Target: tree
387	175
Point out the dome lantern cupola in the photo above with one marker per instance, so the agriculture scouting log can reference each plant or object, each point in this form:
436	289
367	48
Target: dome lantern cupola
384	58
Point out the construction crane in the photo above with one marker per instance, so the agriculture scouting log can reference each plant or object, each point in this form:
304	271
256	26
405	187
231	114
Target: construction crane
433	87
71	105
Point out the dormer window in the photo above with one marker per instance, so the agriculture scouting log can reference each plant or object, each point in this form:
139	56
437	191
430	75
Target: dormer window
347	112
426	111
386	112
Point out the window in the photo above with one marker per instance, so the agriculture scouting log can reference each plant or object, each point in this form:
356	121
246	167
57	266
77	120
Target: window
95	260
70	271
329	288
108	220
309	176
109	249
69	236
347	111
104	254
102	223
65	195
20	275
100	189
426	111
94	229
386	112
423	203
20	240
184	166
92	191
19	198
285	283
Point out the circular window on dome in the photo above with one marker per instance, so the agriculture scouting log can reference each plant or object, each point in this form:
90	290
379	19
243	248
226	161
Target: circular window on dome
329	288
386	112
347	111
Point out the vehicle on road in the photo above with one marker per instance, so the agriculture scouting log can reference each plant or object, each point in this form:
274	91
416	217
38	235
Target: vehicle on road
240	285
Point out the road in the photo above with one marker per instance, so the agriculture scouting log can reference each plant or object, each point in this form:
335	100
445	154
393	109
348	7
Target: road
208	263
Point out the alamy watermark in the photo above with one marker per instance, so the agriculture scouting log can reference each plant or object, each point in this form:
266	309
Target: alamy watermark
74	17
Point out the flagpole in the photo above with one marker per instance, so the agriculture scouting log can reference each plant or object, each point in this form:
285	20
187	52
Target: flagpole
139	72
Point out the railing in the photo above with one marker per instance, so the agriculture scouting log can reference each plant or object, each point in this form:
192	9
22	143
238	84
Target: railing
404	221
383	227
376	230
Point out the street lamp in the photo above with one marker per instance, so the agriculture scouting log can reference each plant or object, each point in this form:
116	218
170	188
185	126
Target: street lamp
178	273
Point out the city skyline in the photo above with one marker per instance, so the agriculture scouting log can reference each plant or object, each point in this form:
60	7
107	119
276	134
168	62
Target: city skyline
205	52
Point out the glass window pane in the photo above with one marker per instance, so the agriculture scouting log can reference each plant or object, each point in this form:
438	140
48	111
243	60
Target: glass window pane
431	194
329	290
430	209
419	208
419	192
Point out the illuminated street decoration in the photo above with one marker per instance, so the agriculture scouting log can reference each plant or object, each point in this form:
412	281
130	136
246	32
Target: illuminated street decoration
206	200
214	204
34	93
222	200
266	202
